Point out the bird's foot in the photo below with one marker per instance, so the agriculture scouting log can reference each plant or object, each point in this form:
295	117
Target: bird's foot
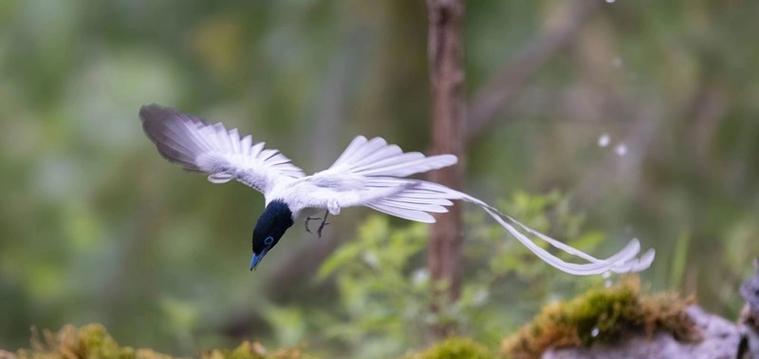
324	223
308	220
321	227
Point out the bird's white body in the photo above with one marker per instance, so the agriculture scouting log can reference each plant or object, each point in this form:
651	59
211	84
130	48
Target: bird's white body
370	173
304	193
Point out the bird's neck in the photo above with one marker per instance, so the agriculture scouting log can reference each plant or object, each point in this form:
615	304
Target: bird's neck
277	217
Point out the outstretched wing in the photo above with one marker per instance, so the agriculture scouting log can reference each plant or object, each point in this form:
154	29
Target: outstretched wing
369	173
211	148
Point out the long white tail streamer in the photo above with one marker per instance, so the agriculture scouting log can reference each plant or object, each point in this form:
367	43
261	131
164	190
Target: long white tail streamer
624	261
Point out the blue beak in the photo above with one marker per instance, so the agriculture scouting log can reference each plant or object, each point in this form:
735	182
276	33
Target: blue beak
256	259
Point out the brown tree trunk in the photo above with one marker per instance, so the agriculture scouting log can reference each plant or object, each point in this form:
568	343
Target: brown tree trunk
447	96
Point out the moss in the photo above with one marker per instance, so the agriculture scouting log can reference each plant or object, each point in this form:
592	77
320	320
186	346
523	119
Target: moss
599	315
454	348
90	341
602	315
254	350
93	342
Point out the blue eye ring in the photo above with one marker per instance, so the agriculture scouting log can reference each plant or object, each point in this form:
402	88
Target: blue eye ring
269	240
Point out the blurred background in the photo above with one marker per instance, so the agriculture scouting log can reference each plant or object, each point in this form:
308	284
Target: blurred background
624	119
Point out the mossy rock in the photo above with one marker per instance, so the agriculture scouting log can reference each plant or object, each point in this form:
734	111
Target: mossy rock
602	315
454	348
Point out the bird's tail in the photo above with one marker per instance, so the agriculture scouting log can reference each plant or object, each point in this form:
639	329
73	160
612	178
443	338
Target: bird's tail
624	261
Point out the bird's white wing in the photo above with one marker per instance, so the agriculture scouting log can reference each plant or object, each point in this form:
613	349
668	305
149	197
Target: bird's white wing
369	173
199	146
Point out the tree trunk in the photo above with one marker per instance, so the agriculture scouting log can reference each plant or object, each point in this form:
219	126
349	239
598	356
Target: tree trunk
447	96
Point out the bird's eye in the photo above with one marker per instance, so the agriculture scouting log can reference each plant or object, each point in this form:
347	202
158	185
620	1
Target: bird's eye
269	240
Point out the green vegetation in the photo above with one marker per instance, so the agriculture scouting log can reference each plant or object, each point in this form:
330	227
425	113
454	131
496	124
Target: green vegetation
90	341
455	348
383	287
93	342
600	315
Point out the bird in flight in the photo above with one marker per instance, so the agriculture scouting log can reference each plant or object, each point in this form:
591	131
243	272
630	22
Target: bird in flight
369	173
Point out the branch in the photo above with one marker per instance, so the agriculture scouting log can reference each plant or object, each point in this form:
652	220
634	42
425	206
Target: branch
445	54
512	77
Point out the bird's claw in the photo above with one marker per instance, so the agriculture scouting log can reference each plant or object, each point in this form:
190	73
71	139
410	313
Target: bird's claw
309	219
321	227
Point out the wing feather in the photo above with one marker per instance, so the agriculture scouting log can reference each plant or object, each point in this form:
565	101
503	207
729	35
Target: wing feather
385	152
235	139
245	145
211	148
355	144
402	197
416	206
407	168
256	149
376	157
387	161
411	215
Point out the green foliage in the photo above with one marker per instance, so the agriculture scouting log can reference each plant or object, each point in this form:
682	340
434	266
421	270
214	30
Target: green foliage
500	270
384	288
455	348
601	315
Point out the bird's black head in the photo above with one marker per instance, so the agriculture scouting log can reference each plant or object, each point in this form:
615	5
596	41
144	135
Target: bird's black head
271	225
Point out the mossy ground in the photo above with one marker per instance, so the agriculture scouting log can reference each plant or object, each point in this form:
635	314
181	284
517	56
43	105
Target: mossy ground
455	348
602	315
93	342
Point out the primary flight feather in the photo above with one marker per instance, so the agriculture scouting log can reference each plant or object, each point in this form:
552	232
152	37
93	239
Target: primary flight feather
370	173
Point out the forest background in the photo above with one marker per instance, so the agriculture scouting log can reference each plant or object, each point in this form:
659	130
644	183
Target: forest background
616	120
